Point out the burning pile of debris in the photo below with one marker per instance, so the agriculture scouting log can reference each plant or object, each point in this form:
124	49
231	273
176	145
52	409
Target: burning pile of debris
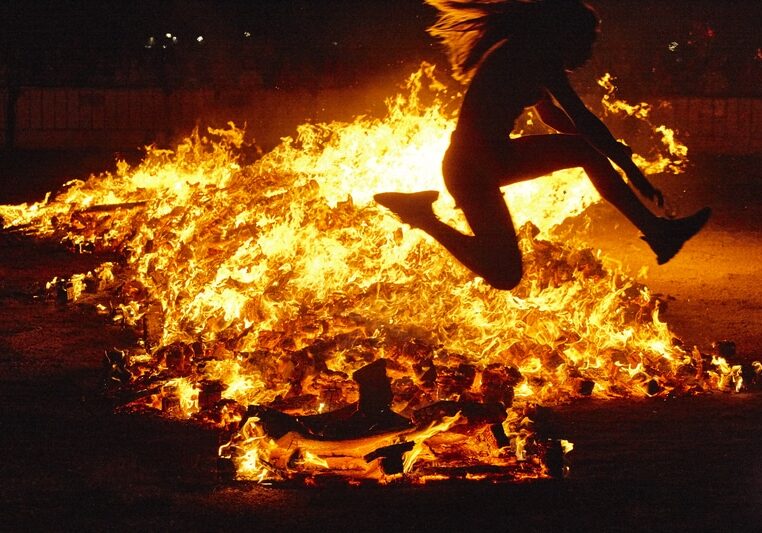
278	303
368	439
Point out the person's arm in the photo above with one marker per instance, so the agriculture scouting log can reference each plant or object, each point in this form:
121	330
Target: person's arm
553	116
599	136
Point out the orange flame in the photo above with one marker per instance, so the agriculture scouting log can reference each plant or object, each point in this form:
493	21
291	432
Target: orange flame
289	278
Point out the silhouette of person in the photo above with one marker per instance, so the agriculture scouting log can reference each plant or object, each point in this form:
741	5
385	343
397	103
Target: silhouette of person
515	55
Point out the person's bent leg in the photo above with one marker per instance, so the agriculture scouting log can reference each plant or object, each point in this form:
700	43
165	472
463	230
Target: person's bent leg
538	155
542	154
492	252
494	245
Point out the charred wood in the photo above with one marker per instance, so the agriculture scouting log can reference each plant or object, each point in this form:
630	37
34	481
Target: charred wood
391	457
475	412
104	208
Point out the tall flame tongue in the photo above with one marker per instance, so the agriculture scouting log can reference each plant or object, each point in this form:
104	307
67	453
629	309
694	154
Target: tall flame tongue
272	284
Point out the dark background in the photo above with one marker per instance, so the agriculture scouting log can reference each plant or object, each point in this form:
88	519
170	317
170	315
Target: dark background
654	47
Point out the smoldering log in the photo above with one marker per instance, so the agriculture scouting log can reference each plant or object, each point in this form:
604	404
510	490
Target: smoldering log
391	457
210	393
493	472
585	387
275	423
498	432
375	388
344	457
554	459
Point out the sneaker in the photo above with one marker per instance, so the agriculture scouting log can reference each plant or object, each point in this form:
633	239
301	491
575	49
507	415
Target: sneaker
667	242
412	208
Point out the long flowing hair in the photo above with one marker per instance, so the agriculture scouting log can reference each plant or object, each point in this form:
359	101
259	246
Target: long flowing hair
471	28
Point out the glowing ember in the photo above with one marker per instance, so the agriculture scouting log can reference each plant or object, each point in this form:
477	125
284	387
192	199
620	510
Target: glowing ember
263	288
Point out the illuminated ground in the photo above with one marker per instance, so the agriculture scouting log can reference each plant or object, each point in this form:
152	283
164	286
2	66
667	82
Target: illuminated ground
691	463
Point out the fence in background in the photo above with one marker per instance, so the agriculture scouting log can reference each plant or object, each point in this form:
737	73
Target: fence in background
124	119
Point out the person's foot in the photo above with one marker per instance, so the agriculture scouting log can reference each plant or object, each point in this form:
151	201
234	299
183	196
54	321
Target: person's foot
670	238
412	208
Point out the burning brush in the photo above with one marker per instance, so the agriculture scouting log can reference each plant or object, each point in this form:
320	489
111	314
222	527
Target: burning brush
278	303
367	439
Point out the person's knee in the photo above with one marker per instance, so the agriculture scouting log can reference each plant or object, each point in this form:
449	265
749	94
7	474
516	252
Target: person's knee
505	279
592	158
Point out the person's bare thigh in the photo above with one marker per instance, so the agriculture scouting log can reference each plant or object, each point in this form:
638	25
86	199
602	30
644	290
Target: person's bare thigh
532	156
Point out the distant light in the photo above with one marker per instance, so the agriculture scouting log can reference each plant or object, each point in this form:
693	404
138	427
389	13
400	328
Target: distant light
150	42
673	46
247	34
200	39
168	35
174	40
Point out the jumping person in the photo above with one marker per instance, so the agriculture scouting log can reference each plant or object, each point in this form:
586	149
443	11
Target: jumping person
515	54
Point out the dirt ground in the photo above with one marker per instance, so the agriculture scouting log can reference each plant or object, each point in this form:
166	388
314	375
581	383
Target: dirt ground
71	463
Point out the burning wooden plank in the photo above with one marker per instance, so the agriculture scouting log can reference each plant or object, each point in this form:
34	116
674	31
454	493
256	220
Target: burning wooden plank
367	440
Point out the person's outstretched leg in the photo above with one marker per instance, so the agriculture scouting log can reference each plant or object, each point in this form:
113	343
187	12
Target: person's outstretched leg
535	155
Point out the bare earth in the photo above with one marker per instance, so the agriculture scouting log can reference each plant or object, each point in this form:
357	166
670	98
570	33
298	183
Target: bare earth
694	463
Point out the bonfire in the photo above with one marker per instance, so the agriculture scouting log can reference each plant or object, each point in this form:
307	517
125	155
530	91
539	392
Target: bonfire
323	338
